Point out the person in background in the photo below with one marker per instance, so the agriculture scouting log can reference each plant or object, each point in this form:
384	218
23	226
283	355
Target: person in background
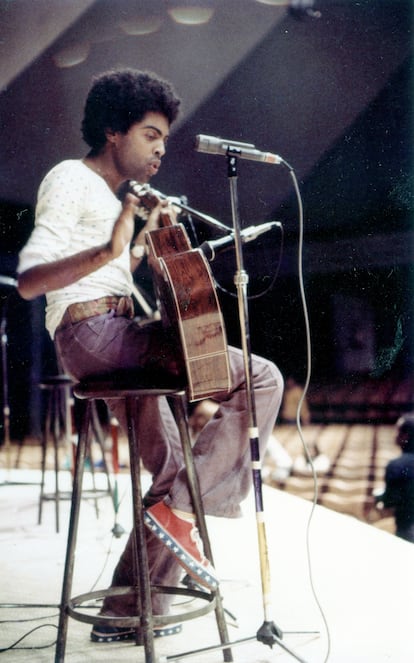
293	399
290	403
278	463
399	481
201	413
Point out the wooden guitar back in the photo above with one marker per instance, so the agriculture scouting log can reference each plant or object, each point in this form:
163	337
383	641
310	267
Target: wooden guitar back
189	304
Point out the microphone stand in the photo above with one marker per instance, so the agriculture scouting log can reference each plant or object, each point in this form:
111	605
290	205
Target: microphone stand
268	633
7	285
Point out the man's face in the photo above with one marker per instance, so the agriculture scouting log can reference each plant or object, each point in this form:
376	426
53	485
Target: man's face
137	154
402	439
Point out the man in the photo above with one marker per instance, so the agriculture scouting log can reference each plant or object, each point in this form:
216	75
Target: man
79	257
399	481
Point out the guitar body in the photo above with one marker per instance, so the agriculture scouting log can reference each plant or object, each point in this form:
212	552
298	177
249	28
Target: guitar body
189	305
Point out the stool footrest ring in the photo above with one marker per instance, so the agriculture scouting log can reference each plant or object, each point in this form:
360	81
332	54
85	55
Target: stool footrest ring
75	605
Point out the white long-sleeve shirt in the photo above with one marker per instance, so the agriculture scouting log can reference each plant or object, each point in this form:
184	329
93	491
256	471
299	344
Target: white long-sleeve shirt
75	210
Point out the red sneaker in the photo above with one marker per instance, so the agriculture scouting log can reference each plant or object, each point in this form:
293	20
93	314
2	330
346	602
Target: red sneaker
182	538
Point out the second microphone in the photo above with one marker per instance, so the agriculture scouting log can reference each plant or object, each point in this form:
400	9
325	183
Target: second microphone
210	248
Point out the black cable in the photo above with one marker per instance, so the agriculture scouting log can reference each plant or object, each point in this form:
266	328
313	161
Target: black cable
43	605
272	282
29	619
14	645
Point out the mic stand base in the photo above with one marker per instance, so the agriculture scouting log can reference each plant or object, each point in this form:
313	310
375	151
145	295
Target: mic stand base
242	641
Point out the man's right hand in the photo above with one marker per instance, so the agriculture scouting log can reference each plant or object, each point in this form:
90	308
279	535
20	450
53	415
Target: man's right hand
123	229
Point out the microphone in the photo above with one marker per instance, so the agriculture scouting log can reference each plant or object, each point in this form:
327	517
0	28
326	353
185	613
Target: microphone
210	247
212	145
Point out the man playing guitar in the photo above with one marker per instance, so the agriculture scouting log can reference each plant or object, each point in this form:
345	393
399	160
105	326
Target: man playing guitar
79	257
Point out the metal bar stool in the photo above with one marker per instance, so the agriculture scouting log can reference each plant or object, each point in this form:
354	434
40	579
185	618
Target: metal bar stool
58	425
144	621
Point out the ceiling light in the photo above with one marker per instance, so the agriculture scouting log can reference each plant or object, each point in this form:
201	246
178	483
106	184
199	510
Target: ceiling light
302	8
141	25
191	12
72	55
274	2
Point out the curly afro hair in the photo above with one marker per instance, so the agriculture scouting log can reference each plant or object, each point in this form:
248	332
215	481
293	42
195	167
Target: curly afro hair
118	99
405	426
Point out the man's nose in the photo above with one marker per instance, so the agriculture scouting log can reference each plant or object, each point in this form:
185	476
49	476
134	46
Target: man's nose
160	149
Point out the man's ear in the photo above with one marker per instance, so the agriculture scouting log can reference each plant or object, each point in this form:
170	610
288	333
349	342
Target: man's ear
110	135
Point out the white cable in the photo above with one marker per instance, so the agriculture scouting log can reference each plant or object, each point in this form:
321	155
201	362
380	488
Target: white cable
298	413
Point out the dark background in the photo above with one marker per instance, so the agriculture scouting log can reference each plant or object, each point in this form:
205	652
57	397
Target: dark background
330	93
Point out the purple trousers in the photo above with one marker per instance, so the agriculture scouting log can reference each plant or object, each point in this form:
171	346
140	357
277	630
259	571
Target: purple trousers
106	343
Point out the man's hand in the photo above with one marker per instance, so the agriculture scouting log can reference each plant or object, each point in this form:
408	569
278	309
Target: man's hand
154	221
123	229
161	212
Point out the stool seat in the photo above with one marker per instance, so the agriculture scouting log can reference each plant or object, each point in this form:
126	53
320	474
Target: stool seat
129	387
129	383
51	381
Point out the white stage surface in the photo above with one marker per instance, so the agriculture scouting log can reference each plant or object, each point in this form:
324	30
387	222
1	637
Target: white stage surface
363	579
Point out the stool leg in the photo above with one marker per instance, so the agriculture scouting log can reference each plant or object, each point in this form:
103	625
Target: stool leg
180	413
51	427
44	452
144	604
89	456
98	436
100	439
56	434
72	535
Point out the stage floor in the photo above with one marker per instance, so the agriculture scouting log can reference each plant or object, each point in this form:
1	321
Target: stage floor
360	609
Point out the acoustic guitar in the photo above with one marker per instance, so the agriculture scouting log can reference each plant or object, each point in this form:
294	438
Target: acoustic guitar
188	302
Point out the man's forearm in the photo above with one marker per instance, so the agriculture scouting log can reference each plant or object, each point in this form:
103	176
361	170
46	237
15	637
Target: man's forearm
43	278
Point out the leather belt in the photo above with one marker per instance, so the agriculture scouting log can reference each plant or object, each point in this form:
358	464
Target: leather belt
123	306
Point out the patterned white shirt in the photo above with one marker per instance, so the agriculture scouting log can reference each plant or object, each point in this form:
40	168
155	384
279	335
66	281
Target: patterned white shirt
75	210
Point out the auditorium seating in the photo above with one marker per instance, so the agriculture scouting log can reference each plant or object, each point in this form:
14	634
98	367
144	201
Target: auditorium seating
354	399
353	425
357	453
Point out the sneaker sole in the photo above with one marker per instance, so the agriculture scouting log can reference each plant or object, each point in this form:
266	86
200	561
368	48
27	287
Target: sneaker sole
194	568
159	632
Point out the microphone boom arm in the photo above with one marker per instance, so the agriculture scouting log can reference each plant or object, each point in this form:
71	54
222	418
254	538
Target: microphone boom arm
142	189
203	217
